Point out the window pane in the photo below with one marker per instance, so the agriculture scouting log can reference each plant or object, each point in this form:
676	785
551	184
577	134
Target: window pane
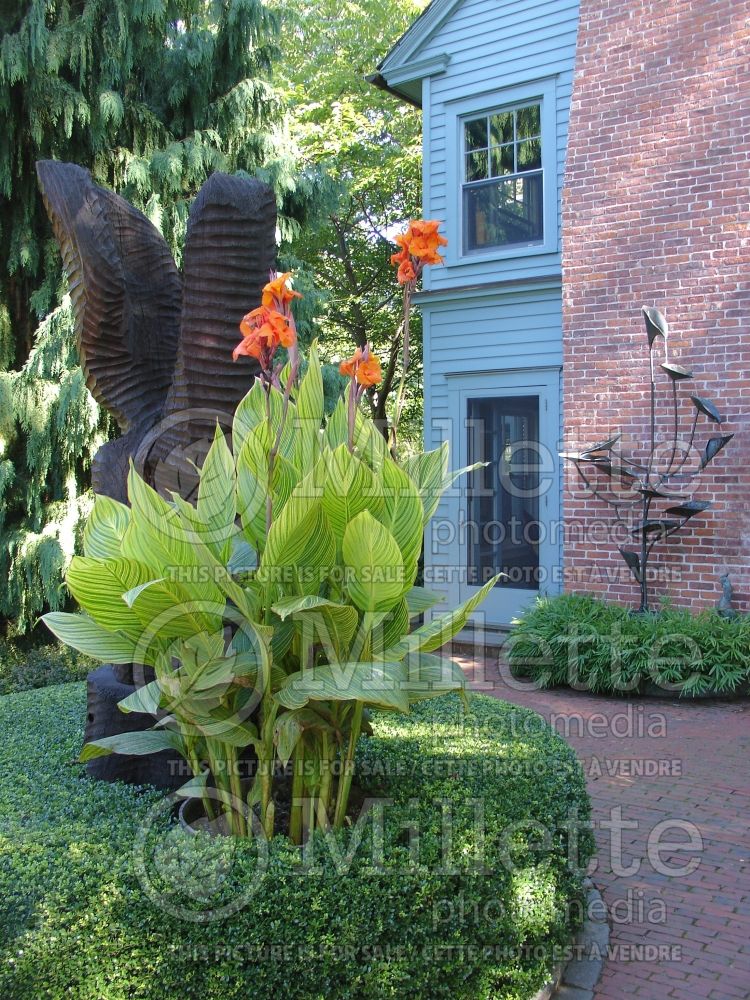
501	128
530	154
528	122
476	166
476	134
503	497
504	213
502	160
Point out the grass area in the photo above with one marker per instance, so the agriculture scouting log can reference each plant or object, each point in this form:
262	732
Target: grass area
463	892
592	645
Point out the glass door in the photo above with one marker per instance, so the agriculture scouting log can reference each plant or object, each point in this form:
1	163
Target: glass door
509	508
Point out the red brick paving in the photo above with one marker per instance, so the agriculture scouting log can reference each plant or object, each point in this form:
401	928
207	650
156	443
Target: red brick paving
695	925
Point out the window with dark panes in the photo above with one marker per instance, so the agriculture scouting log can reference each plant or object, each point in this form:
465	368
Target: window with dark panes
503	188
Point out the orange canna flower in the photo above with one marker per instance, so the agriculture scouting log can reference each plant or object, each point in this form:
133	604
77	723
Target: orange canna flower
369	372
349	367
420	246
263	330
406	272
277	293
363	367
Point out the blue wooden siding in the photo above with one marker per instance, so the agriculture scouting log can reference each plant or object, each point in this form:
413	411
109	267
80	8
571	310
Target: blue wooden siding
492	45
478	332
501	311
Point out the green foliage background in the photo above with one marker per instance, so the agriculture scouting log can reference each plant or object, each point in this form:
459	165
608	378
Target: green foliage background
152	96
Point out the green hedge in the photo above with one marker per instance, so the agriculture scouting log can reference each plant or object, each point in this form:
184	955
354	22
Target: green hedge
77	922
24	666
589	644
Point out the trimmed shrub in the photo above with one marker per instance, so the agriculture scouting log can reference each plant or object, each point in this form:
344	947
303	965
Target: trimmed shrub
592	645
104	897
25	666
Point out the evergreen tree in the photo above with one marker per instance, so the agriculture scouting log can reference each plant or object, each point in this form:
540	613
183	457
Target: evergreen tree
151	96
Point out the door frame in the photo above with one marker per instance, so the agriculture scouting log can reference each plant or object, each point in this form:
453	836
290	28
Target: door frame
504	604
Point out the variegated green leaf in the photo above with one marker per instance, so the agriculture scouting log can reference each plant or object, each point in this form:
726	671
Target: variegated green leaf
87	636
375	683
309	414
301	548
403	513
419	600
374	567
430	676
440	630
350	487
330	624
389	631
107	523
143	699
136	744
101	587
428	472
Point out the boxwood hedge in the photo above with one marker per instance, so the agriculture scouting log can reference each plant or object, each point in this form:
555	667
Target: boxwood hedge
596	646
465	890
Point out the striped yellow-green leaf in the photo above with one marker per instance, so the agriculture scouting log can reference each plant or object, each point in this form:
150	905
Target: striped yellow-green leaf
337	427
251	412
100	585
419	600
440	630
135	744
107	523
321	621
374	567
350	487
428	471
301	548
429	676
309	414
252	484
87	636
389	631
290	727
403	514
143	699
158	538
215	510
375	683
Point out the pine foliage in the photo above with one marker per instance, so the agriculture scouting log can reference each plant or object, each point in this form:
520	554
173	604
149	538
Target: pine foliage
152	96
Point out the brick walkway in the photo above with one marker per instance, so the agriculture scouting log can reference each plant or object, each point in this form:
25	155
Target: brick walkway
667	773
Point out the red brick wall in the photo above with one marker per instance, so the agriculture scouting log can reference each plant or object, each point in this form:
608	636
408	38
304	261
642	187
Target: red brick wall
656	211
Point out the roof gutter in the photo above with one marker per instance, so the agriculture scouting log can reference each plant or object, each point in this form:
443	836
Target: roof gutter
379	81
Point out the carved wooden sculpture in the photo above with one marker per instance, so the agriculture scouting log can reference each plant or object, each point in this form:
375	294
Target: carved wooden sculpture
156	350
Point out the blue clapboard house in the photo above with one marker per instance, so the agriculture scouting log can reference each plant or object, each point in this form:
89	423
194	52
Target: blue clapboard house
494	81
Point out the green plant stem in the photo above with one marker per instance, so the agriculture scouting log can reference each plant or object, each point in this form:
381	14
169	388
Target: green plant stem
222	785
298	787
345	779
326	779
195	764
235	783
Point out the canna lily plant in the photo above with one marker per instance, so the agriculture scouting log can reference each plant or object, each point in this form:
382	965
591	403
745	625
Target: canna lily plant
280	608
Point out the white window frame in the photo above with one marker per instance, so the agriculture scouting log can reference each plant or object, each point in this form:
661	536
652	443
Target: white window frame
460	111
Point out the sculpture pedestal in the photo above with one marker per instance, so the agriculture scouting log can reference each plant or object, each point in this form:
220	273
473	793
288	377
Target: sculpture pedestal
104	690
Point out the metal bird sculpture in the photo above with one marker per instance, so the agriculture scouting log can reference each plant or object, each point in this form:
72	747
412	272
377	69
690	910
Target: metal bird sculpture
638	487
156	345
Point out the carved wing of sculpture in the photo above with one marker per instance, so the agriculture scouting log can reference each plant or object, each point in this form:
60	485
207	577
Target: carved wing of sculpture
157	351
126	294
